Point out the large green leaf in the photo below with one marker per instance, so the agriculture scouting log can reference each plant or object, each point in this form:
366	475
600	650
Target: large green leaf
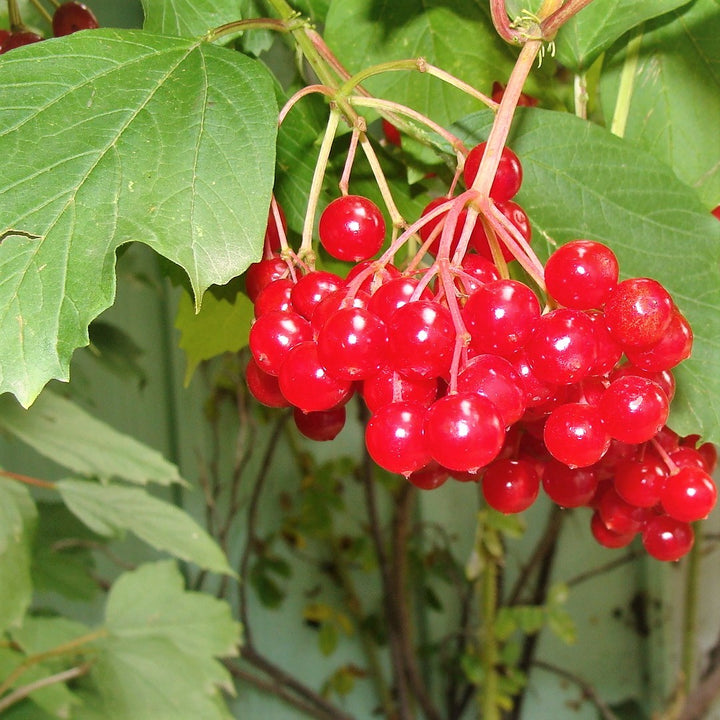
457	36
598	25
17	524
117	136
188	18
675	102
112	509
582	182
62	431
159	660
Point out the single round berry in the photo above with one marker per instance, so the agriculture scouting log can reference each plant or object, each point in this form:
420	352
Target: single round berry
640	482
689	494
394	294
638	312
71	17
422	339
620	516
272	336
667	539
569	487
389	386
495	378
373	279
311	289
352	228
562	349
432	476
274	297
391	133
633	409
262	273
536	391
581	274
508	177
320	426
674	347
394	437
519	219
501	316
575	435
476	272
353	344
18	39
263	386
464	431
510	486
333	302
609	538
306	383
608	351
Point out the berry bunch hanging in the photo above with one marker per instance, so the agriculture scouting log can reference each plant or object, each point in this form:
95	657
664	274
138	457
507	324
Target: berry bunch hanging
475	361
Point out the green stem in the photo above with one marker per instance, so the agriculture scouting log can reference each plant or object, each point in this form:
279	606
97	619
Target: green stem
489	650
42	11
28	480
237	26
627	82
689	634
581	95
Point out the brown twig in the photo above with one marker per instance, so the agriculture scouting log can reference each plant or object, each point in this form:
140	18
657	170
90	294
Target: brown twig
23	691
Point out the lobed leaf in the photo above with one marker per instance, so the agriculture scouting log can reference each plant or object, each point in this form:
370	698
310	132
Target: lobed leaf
115	136
112	509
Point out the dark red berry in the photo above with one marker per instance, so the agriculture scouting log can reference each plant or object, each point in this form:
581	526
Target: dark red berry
510	486
320	426
18	39
71	17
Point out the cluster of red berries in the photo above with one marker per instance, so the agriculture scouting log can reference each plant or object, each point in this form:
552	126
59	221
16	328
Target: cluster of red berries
69	17
466	375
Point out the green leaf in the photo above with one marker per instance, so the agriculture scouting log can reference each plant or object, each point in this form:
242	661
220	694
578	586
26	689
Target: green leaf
315	9
116	351
40	634
458	37
111	137
60	430
675	94
17	524
112	509
62	559
562	624
188	18
473	668
196	623
221	326
597	26
582	182
328	638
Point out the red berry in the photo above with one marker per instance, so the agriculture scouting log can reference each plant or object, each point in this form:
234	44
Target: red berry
389	386
510	486
667	539
432	476
477	271
274	297
620	516
574	434
392	134
640	482
689	494
18	39
501	316
71	17
262	273
508	177
606	537
581	274
464	431
307	385
263	386
353	344
638	312
322	425
562	348
352	228
375	279
272	336
311	289
674	347
517	216
394	294
422	339
633	409
569	487
395	438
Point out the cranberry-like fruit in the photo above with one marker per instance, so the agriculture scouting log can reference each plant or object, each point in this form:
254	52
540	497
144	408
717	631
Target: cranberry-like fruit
272	336
311	289
71	17
510	486
569	487
575	435
667	539
352	228
689	494
320	426
508	177
18	39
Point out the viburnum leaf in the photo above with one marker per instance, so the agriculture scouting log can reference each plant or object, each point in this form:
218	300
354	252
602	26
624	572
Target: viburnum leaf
580	181
62	431
18	516
220	326
160	657
187	18
672	102
458	37
112	509
113	136
581	40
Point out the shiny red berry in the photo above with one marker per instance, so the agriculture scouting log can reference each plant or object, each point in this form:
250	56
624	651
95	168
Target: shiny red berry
352	228
71	17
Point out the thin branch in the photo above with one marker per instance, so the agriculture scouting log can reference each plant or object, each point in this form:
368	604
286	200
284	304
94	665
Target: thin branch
36	482
552	23
22	692
605	568
587	689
